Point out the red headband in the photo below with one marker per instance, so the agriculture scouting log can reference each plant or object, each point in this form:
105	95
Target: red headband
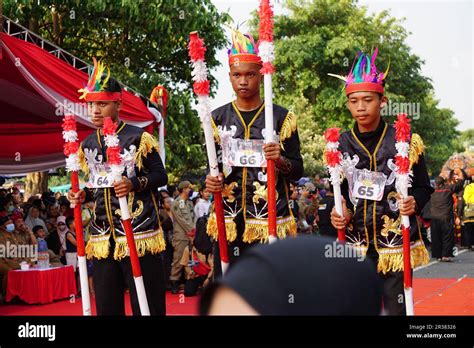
244	58
103	96
364	87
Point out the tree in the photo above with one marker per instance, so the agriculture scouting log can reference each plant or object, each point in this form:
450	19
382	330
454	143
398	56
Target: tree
322	36
145	44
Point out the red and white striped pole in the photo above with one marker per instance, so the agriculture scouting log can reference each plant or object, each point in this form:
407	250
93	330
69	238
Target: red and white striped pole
403	182
71	147
333	158
267	54
115	162
201	89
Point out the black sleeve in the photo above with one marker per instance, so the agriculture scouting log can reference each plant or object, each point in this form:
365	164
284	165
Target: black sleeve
421	188
155	172
292	151
345	194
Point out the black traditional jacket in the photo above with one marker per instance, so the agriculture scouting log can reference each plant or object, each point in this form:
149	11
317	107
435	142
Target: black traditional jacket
245	188
141	158
379	222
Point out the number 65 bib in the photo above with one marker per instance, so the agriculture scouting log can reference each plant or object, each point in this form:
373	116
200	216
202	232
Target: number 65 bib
368	185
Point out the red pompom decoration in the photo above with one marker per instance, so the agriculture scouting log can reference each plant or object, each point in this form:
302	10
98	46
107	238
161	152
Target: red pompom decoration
69	123
333	158
402	128
109	126
332	135
71	148
201	88
403	164
196	47
113	155
265	32
267	68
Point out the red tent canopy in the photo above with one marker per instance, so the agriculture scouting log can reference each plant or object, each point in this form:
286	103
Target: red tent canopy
35	88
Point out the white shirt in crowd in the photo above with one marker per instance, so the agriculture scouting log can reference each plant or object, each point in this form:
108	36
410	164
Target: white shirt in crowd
201	208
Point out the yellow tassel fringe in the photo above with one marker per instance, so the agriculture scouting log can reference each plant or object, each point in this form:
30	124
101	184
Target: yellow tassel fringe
394	261
230	228
154	244
147	144
287	128
417	147
259	232
98	249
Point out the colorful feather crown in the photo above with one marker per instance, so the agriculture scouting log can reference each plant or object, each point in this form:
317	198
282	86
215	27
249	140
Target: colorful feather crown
243	49
363	76
96	88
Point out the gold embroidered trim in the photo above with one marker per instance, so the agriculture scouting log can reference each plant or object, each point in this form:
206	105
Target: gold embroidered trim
417	148
392	259
257	229
217	138
148	143
153	242
82	161
288	127
230	228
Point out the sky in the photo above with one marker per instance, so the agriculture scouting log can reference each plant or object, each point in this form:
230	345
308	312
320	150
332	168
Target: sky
442	35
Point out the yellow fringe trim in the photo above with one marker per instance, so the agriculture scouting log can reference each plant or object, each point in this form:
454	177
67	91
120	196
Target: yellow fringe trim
154	244
98	249
288	127
417	147
230	228
394	261
259	232
217	138
147	144
82	161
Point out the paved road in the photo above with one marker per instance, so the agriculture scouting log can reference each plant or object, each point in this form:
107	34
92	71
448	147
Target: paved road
462	265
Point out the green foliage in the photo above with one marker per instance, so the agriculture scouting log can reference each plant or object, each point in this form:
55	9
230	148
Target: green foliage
145	44
322	36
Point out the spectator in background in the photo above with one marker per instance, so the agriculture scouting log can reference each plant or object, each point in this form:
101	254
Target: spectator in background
40	235
65	207
62	230
196	277
183	225
33	219
7	238
293	201
466	212
166	221
442	218
203	204
23	234
324	212
308	207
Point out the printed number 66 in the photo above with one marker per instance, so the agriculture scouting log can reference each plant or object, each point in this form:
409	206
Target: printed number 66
251	160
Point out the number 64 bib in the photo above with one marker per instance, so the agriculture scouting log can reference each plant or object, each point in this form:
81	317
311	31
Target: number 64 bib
368	185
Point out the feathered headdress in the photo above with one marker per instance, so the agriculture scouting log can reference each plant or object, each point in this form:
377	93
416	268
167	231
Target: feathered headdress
363	76
97	88
243	49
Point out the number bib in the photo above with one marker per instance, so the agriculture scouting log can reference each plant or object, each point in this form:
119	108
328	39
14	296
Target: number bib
243	153
101	180
368	185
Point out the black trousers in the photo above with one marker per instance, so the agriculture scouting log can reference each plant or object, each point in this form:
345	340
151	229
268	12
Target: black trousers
112	277
393	289
442	238
192	285
467	234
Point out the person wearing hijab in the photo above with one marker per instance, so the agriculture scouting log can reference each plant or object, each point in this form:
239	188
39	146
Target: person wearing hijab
296	276
33	219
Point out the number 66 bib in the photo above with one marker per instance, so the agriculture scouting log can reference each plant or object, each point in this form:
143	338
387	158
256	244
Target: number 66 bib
243	153
368	185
